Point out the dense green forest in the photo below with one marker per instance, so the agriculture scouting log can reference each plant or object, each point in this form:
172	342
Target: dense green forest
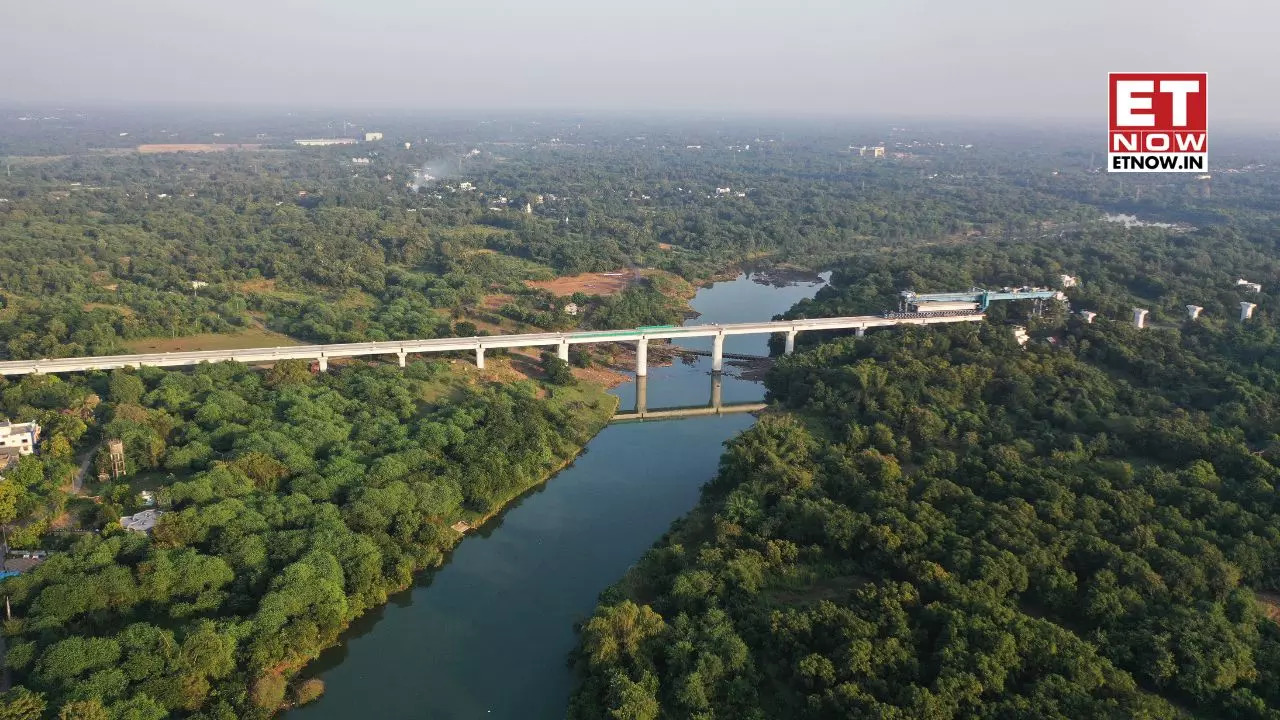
294	503
942	523
99	251
939	523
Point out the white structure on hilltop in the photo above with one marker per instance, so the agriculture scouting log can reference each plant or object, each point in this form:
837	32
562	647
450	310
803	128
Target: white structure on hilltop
1068	281
1139	318
1193	311
19	436
141	522
1088	315
372	136
1246	310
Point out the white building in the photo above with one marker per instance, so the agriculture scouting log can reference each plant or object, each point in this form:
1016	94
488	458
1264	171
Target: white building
1068	281
20	436
141	522
1250	286
877	151
1020	334
324	141
372	136
571	309
360	161
197	284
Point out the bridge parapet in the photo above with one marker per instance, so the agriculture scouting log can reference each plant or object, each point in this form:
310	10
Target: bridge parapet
400	348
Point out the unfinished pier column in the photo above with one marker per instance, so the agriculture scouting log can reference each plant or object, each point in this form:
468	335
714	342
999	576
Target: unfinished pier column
1246	310
1088	316
717	353
563	351
860	330
642	357
480	357
1193	312
1139	318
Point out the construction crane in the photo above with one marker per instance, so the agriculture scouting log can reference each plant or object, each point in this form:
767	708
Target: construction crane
979	298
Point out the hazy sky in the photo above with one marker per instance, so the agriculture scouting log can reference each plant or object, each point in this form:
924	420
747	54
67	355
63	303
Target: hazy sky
790	57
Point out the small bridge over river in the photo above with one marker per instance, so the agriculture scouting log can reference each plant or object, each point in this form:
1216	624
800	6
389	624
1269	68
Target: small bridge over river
559	340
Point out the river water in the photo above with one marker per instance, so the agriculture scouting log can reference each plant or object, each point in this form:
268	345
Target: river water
488	635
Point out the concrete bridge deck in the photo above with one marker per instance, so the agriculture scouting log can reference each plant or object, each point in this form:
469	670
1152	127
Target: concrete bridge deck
402	348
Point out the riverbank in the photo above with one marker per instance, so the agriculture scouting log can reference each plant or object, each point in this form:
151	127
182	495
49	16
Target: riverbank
486	634
592	409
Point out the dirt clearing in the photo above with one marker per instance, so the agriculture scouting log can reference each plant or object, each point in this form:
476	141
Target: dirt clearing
210	341
589	283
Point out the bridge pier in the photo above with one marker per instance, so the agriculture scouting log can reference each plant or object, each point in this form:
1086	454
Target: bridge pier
717	354
717	384
642	357
642	394
480	357
563	351
401	356
860	331
323	363
791	341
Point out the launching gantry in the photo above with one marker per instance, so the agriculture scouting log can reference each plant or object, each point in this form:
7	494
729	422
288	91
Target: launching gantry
972	300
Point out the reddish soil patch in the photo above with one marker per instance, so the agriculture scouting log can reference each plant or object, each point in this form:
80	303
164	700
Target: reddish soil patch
589	283
606	377
664	246
494	302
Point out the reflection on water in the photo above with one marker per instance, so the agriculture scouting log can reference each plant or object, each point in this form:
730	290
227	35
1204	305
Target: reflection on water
487	636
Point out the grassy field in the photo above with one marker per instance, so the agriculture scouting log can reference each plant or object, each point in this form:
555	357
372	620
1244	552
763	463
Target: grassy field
248	338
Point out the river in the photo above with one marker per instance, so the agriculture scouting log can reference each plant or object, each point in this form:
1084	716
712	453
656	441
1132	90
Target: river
488	634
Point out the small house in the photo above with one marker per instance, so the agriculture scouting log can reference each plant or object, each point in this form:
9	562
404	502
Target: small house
142	522
21	436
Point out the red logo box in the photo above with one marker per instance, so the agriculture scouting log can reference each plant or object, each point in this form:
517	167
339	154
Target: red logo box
1157	122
